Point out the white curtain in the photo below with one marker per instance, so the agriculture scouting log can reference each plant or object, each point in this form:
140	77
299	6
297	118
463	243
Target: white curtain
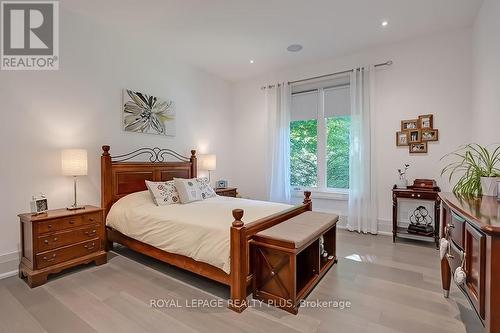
363	213
278	100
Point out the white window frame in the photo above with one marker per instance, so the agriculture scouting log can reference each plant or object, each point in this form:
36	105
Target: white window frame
321	191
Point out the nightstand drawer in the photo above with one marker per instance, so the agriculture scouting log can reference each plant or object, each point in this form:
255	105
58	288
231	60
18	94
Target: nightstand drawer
69	222
59	224
67	253
230	192
63	238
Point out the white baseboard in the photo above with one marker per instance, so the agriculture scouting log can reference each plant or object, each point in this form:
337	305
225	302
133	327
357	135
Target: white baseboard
9	263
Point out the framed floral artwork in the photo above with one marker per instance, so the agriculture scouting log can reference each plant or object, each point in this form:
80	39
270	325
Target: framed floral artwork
144	113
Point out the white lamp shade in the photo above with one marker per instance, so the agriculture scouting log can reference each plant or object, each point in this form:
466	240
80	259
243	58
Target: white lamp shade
74	162
207	162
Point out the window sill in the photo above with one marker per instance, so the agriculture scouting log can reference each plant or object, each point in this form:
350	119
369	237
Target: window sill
322	194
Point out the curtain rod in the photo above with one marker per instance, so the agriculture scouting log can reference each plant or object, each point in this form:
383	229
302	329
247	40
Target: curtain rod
387	63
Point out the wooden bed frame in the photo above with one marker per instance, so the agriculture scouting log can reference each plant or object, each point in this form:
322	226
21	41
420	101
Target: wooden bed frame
120	176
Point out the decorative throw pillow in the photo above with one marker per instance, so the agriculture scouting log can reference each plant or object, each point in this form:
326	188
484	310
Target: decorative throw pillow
163	193
206	190
188	190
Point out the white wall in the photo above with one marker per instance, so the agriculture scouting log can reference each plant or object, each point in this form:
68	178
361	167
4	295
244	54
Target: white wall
487	73
79	106
432	74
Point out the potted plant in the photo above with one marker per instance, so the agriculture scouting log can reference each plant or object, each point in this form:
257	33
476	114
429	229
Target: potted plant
479	167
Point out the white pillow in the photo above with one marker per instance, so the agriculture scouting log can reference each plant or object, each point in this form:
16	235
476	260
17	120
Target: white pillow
206	190
163	193
188	189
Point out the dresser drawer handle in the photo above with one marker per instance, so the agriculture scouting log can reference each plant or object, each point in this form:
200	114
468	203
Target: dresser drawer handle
418	195
50	226
89	246
413	195
91	219
46	241
71	221
50	259
90	233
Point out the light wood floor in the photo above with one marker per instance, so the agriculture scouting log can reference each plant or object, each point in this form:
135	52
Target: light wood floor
392	288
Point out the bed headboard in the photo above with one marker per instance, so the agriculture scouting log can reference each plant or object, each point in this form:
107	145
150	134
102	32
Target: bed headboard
121	176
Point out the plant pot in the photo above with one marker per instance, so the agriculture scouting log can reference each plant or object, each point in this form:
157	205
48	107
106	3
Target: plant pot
489	186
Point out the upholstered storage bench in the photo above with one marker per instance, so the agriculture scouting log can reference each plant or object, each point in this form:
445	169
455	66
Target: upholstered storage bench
287	259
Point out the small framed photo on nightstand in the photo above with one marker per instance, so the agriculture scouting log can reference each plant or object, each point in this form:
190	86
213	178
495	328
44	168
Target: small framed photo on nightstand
221	184
39	204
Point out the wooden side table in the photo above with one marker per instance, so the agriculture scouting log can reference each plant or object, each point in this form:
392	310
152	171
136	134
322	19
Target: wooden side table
60	239
415	194
227	192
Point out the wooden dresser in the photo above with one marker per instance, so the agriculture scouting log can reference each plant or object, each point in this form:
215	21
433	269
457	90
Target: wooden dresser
227	192
473	229
60	239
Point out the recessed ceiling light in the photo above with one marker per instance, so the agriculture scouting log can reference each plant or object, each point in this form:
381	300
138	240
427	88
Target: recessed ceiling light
385	23
294	48
251	61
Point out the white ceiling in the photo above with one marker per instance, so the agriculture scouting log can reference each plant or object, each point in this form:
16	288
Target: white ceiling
221	36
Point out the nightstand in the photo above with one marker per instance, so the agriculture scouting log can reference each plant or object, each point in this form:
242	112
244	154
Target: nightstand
60	239
227	192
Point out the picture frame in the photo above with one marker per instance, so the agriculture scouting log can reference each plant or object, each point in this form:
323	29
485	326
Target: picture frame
39	204
418	148
426	121
402	139
411	124
430	135
414	136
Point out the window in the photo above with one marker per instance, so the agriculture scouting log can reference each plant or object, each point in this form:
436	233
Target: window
319	137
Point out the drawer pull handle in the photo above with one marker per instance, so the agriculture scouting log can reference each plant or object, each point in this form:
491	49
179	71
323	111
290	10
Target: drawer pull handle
418	195
71	221
46	241
90	233
50	259
413	195
55	239
50	226
89	246
91	219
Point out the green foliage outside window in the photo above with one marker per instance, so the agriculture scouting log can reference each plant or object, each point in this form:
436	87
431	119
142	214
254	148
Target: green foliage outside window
337	151
303	148
303	152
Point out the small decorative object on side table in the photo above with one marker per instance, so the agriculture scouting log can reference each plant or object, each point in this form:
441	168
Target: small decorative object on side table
422	189
60	239
227	192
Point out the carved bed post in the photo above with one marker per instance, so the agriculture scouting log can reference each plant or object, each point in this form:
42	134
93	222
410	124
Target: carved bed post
193	164
307	200
106	186
239	257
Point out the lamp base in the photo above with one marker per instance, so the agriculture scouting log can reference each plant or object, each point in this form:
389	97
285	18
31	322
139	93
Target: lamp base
73	207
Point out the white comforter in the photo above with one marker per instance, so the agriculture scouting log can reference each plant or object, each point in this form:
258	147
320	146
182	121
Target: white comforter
199	230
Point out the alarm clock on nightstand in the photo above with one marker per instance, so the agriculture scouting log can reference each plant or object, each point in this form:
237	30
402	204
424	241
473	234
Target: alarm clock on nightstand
221	184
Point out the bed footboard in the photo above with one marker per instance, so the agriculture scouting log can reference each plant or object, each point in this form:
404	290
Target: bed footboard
241	234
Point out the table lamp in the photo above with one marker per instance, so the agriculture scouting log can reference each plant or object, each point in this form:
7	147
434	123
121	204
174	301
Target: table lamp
207	162
74	163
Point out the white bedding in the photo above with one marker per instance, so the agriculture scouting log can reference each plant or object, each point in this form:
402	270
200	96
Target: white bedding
199	230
